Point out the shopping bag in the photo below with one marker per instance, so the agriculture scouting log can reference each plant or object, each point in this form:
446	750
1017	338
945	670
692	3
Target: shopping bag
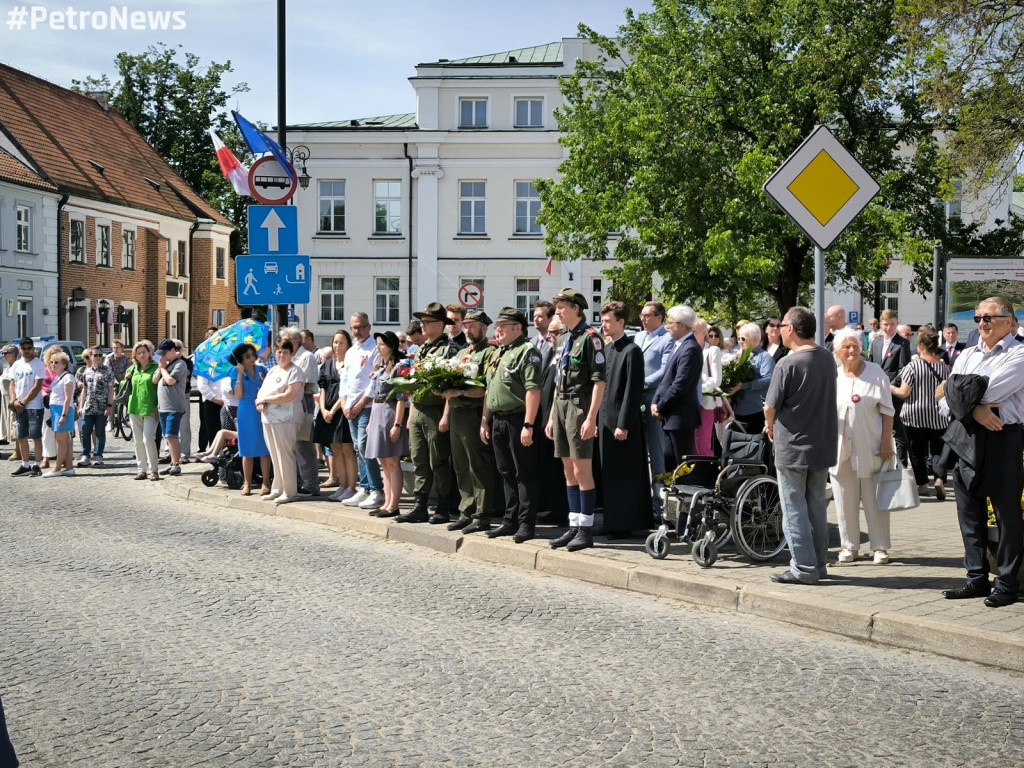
897	488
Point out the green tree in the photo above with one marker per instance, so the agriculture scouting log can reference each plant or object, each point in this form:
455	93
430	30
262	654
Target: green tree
672	132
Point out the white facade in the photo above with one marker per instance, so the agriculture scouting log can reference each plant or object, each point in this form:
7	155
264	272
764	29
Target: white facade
439	198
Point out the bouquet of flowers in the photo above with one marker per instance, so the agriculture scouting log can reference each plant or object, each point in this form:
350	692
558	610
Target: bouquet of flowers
435	375
739	370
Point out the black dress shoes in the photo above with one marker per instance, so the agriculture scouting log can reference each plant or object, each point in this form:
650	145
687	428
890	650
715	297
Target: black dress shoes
525	533
476	525
415	516
787	577
1000	599
502	530
459	524
969	590
439	518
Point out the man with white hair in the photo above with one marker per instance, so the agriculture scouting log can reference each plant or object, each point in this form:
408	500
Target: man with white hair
748	397
305	454
677	401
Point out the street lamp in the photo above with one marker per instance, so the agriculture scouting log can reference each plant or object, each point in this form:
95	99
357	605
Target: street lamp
300	154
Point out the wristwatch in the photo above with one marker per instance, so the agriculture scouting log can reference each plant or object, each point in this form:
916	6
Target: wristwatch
527	426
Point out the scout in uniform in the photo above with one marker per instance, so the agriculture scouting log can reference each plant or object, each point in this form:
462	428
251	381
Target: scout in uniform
572	425
513	375
474	461
430	448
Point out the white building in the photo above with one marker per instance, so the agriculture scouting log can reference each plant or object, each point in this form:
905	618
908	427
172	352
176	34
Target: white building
405	209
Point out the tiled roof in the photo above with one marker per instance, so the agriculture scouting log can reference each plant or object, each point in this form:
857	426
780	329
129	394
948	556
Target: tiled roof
11	169
550	53
406	120
68	135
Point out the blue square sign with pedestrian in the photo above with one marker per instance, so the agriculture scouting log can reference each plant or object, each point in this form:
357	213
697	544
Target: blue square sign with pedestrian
274	229
262	279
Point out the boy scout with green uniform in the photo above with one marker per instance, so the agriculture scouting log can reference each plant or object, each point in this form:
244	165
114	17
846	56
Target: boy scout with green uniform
474	461
572	425
429	447
513	398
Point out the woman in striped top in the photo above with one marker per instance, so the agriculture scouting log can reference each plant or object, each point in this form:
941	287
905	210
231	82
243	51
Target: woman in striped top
920	414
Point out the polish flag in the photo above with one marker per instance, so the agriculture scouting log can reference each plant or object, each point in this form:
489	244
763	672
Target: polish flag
547	267
232	169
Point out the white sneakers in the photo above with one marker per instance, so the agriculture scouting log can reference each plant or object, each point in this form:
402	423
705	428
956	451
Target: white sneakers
847	555
881	557
341	494
374	501
356	498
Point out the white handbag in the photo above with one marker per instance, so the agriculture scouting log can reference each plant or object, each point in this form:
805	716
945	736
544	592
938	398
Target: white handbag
897	488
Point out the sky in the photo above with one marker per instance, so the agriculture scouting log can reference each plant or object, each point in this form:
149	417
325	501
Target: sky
345	59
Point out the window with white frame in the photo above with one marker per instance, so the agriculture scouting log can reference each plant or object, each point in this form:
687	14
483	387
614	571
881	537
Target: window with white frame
472	207
472	113
385	301
387	207
103	245
76	245
889	292
596	299
332	299
527	294
527	208
128	249
332	207
220	265
169	259
23	231
529	112
954	208
182	258
217	317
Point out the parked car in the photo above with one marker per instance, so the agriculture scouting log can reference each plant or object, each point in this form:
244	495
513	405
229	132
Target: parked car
73	349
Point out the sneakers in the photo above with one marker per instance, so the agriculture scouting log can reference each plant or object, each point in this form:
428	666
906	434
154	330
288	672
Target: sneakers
341	494
85	461
940	490
22	471
356	498
98	461
847	555
35	471
174	470
374	501
881	557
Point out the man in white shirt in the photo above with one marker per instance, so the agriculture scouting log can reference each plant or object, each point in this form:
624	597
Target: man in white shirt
26	389
360	360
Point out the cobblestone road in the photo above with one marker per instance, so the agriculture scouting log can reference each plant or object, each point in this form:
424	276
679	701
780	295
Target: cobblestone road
140	631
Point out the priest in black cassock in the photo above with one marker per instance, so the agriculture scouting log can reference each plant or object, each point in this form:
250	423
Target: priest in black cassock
626	482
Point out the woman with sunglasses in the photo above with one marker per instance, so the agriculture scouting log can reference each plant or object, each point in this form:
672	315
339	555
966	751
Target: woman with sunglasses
62	414
247	380
771	340
142	409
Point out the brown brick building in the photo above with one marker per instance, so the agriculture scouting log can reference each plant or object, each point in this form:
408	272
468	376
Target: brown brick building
139	253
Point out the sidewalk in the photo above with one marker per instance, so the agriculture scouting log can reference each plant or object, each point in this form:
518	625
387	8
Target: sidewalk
899	604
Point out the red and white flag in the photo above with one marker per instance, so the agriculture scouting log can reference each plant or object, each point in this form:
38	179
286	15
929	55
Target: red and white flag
547	267
230	166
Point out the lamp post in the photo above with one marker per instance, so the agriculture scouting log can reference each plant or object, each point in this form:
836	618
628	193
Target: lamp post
299	155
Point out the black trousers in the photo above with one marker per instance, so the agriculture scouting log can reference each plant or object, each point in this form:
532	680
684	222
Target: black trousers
209	423
7	757
678	443
1000	478
517	466
752	422
923	442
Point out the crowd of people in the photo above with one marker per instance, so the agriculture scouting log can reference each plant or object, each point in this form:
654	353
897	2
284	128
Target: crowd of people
551	427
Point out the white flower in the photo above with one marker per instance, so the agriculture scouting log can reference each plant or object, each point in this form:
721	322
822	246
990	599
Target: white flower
469	370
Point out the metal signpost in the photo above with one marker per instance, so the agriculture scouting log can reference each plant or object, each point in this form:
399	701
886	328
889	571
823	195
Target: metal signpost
822	188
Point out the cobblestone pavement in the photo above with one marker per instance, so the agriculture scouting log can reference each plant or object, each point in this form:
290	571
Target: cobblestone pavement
137	630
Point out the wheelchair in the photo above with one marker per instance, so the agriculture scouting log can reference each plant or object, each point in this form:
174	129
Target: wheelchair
709	502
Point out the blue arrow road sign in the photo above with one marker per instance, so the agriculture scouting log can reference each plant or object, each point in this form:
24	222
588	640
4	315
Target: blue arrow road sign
274	229
261	280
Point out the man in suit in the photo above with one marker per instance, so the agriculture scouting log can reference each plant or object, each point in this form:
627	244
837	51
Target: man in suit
892	352
951	348
656	344
543	312
677	402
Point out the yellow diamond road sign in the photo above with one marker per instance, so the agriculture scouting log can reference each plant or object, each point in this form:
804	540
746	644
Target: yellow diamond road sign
821	187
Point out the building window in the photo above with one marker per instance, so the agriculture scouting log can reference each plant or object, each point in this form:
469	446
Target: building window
386	301
217	317
169	259
24	318
103	246
128	249
220	269
889	292
472	113
182	258
527	294
527	208
332	299
76	250
596	300
332	207
472	208
954	208
23	239
529	113
387	207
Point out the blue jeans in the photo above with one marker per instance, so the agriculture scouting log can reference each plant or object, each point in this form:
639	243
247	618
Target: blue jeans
94	424
805	520
369	469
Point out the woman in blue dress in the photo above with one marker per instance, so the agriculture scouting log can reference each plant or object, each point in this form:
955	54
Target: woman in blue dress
246	380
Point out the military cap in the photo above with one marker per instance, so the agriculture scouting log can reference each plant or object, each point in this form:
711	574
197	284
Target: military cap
513	314
572	296
433	311
479	315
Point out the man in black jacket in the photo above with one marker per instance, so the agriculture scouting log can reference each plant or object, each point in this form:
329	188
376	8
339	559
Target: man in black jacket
892	352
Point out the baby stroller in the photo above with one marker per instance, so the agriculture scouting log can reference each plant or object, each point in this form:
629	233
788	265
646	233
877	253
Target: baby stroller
710	502
227	466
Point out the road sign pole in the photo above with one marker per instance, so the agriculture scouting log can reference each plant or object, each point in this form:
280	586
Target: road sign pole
819	293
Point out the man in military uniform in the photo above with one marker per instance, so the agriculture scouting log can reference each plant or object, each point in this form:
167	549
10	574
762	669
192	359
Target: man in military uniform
513	375
429	447
474	461
572	425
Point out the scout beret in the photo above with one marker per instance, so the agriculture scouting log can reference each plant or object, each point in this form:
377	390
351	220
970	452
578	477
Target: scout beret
433	311
479	315
572	296
511	313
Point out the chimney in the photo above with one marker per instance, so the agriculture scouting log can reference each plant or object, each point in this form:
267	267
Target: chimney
101	98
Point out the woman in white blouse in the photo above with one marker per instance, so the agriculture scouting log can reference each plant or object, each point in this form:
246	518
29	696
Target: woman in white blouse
279	402
710	381
865	412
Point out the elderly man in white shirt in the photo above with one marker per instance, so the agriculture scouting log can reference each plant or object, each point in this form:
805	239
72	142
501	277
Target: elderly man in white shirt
305	453
360	361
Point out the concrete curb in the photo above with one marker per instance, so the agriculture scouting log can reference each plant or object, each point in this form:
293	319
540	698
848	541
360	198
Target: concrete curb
791	604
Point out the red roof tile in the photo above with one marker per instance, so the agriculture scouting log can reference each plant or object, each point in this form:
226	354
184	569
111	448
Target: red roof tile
62	131
11	169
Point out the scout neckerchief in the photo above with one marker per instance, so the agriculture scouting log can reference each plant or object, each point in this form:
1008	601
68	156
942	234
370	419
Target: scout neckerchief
563	360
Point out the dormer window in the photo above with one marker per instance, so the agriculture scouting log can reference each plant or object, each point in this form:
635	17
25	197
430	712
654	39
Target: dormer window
473	113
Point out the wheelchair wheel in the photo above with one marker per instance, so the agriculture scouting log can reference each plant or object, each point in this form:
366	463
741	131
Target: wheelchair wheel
757	519
704	552
235	479
210	478
657	547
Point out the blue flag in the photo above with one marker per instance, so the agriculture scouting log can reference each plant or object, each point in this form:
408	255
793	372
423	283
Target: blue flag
259	143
